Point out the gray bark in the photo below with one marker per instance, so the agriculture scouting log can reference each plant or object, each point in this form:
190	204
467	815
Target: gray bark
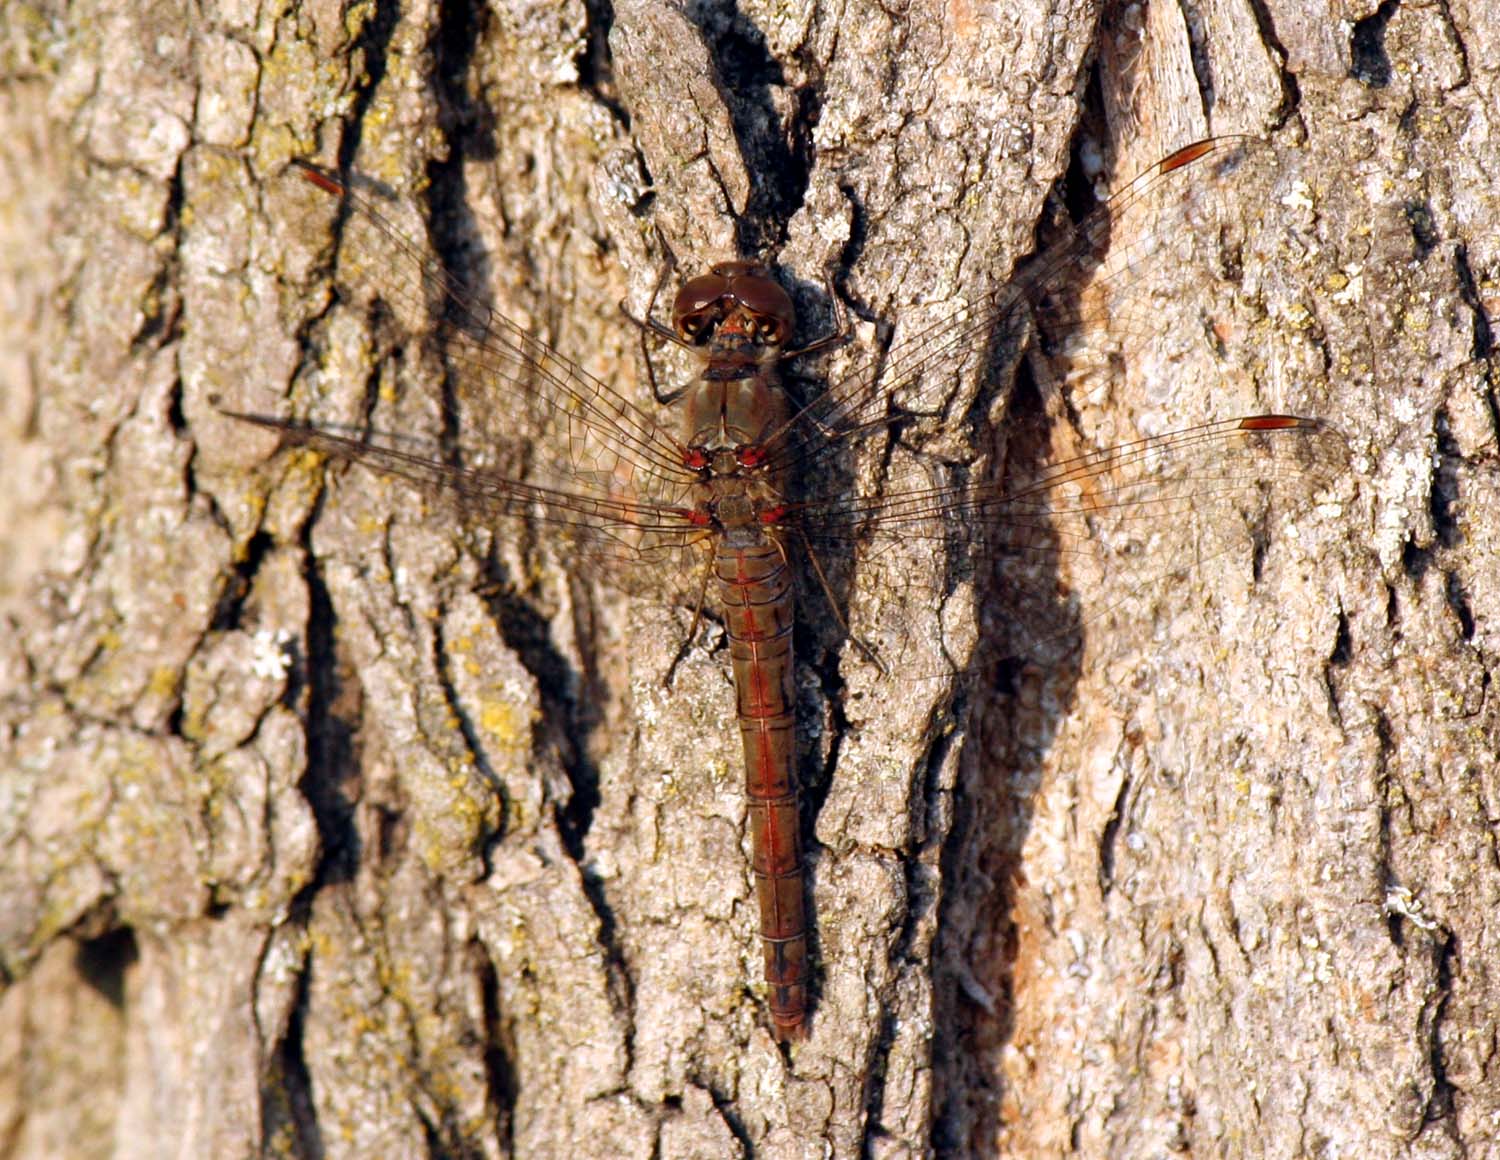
321	842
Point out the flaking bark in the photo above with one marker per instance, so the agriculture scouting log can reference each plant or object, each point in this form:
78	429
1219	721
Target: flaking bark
332	829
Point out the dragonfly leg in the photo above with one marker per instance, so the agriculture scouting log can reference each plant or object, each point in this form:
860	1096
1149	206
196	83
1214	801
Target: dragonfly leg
692	632
649	326
843	329
833	606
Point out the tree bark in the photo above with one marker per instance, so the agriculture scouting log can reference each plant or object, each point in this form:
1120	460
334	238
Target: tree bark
333	828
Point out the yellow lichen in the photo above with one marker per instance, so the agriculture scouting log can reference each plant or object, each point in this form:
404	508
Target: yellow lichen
501	721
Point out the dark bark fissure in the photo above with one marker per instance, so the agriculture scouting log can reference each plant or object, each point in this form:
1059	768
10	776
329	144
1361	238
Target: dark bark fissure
776	156
330	783
1423	230
919	901
1203	69
727	1108
1386	791
1265	26
1109	836
373	44
230	609
468	123
104	961
1445	497
286	1093
1440	1106
1340	657
469	131
499	1050
875	1085
596	67
442	664
1415	560
1458	602
162	303
1368	61
1484	332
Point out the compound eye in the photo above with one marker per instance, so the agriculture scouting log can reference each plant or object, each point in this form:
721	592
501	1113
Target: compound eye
772	306
698	296
769	330
695	327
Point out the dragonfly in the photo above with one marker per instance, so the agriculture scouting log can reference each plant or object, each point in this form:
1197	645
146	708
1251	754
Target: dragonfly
736	494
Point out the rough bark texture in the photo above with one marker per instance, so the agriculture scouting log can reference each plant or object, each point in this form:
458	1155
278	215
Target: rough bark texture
321	842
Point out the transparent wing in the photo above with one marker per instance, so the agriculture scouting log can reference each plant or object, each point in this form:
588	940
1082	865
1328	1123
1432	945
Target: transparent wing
1069	539
560	447
620	501
1054	511
1176	203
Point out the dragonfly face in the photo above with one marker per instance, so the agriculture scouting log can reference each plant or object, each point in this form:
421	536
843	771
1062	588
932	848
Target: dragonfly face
738	299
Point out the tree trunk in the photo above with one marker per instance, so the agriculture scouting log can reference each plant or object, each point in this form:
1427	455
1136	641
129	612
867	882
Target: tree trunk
333	828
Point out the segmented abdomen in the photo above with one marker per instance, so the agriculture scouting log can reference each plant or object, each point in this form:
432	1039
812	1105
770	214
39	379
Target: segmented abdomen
756	595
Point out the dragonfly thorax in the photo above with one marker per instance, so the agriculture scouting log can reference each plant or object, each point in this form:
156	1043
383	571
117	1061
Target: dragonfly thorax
730	423
722	461
744	500
734	511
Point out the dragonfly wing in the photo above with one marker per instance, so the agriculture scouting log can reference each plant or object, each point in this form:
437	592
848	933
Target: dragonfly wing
530	436
1066	538
509	394
1162	232
609	536
1095	502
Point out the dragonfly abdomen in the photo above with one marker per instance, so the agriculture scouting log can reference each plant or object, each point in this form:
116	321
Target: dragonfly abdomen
756	595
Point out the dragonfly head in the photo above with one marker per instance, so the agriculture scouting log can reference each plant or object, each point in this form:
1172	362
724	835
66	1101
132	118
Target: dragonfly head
739	301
